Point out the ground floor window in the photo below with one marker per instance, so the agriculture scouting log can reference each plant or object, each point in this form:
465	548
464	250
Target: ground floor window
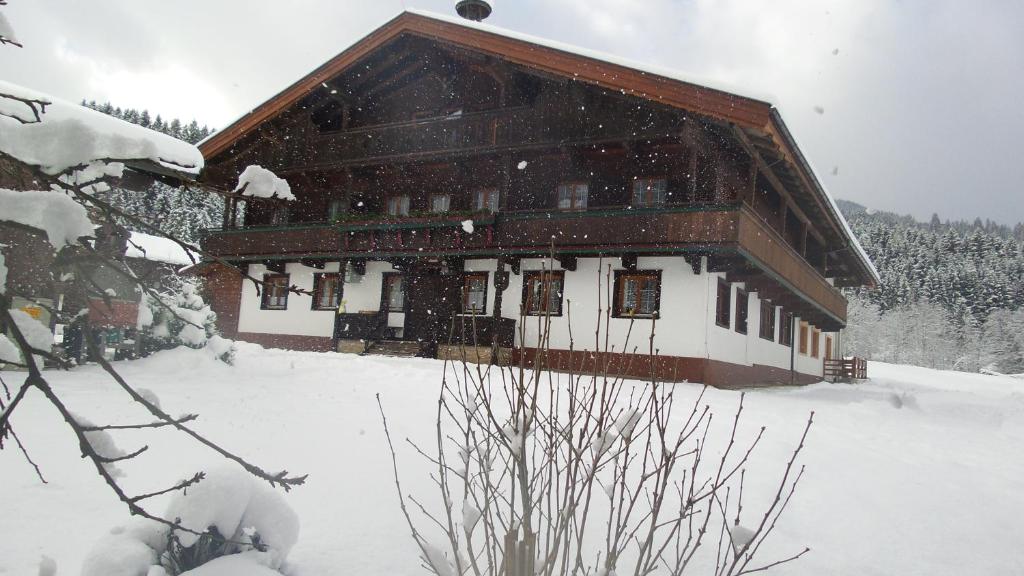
474	293
815	343
786	330
542	292
637	293
325	291
724	303
767	320
275	292
393	298
741	311
803	338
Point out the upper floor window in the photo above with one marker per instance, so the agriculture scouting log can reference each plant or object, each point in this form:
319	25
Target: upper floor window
724	304
398	205
637	293
474	293
572	196
440	203
542	292
741	311
648	192
275	292
325	291
767	329
335	208
279	215
486	200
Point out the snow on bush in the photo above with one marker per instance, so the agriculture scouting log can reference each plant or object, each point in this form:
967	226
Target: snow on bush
179	316
62	219
262	183
240	508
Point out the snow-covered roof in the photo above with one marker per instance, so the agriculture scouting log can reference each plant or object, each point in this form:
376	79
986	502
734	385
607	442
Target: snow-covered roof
157	249
56	135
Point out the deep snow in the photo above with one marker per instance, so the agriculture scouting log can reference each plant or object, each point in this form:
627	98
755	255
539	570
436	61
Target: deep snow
914	472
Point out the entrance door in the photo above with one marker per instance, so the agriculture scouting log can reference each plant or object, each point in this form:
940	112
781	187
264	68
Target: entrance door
432	299
393	303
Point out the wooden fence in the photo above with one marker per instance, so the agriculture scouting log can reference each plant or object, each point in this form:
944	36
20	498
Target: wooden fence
846	368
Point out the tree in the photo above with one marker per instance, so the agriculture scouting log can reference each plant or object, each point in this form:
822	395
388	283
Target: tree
69	210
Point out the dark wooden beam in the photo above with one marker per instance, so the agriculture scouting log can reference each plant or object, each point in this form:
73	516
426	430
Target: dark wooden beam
629	261
313	263
358	265
695	260
568	262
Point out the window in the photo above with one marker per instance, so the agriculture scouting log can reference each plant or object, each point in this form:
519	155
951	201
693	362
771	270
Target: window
279	215
724	303
398	205
815	343
325	291
335	208
486	200
474	293
637	293
803	338
828	347
572	196
440	203
393	299
767	329
275	292
542	293
741	311
786	330
649	192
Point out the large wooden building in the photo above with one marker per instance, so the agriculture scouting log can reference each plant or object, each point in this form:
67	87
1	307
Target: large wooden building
438	163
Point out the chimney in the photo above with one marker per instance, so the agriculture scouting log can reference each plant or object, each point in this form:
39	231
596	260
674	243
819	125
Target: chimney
475	10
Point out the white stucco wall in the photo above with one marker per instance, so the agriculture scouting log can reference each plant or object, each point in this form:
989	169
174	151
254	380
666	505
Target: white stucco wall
299	318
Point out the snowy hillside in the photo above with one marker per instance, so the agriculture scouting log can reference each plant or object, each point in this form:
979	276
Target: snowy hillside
915	472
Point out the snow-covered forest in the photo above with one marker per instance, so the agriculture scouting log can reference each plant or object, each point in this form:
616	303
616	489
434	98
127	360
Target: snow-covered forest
951	295
182	212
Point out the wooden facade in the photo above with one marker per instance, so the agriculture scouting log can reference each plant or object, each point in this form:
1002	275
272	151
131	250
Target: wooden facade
431	143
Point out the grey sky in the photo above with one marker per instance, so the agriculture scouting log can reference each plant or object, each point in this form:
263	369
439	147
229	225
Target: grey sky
919	110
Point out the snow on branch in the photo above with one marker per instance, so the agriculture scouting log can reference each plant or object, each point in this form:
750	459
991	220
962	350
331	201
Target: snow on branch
7	31
259	182
62	219
59	136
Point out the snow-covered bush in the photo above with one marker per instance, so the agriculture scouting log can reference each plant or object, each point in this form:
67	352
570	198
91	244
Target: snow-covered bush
246	528
178	316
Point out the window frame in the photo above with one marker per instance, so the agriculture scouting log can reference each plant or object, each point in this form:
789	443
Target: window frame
545	276
484	197
448	202
637	181
803	338
387	278
265	296
336	207
723	308
318	278
399	213
620	285
786	328
815	343
465	292
742	312
767	319
572	185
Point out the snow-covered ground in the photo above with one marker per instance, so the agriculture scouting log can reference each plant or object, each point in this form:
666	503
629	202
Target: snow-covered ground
914	472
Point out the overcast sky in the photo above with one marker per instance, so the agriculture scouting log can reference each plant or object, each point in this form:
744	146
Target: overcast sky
903	105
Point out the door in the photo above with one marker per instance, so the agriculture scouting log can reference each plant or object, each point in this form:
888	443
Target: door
393	302
432	299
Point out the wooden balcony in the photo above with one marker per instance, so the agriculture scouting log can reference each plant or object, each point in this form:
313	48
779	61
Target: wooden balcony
726	232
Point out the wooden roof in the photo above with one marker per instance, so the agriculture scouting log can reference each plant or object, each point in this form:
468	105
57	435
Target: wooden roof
752	116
